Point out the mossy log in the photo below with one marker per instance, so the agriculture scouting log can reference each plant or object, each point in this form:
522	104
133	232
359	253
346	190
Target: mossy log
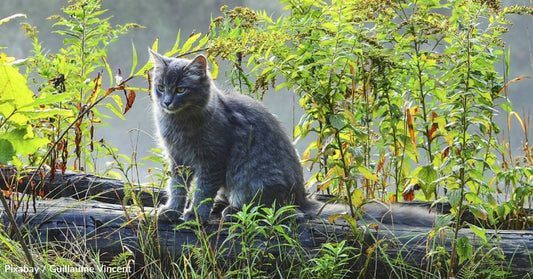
82	207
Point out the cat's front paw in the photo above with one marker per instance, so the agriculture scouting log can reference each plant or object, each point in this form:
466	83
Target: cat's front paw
167	214
191	215
228	214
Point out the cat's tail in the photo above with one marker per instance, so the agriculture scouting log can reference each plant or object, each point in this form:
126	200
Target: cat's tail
393	214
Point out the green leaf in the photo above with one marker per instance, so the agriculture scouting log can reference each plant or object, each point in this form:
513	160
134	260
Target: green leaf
115	111
337	121
358	153
45	113
454	196
177	42
7	110
6	151
443	220
330	26
358	196
155	45
188	44
148	65
478	211
24	143
427	175
465	250
280	86
51	99
112	79
13	88
480	232
133	59
367	173
201	43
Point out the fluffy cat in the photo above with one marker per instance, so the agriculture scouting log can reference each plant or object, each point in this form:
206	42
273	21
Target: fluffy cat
232	144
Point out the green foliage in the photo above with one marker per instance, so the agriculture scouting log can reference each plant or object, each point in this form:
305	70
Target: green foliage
263	240
260	242
334	262
400	94
17	107
403	94
56	124
74	76
49	114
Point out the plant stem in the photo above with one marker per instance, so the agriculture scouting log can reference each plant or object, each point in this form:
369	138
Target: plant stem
16	229
395	141
463	154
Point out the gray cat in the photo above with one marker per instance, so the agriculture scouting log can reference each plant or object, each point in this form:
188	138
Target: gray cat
232	144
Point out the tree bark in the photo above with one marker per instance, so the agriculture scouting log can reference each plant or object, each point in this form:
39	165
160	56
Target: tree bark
88	207
77	185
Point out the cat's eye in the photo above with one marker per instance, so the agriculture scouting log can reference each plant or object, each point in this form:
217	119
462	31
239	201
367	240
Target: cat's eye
161	88
180	90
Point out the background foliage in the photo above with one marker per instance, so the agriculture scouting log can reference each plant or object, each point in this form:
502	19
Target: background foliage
397	96
401	94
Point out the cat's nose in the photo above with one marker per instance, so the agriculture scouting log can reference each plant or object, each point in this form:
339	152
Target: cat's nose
166	103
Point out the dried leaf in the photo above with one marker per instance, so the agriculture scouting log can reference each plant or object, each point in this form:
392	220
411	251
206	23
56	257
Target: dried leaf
381	163
149	77
130	98
434	126
97	87
506	85
333	218
77	139
91	135
410	126
408	193
7	193
513	113
444	153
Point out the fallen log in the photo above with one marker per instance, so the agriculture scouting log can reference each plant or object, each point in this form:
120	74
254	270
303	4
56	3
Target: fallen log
110	229
107	229
77	185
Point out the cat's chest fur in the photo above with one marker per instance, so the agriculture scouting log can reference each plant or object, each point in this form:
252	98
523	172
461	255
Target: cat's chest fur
195	140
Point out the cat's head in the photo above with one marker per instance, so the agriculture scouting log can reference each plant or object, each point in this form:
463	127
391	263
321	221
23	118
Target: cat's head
180	85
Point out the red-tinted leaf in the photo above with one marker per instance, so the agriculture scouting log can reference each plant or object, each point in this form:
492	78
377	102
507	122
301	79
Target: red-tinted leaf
445	152
149	77
408	193
410	125
91	134
434	126
381	163
130	98
97	87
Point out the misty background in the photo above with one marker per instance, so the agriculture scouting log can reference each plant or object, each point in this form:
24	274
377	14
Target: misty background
164	18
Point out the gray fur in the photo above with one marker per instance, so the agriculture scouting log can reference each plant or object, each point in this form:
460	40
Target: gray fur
230	141
233	145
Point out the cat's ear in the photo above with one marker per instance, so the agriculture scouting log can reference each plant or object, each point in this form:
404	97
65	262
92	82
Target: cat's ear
159	60
198	65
